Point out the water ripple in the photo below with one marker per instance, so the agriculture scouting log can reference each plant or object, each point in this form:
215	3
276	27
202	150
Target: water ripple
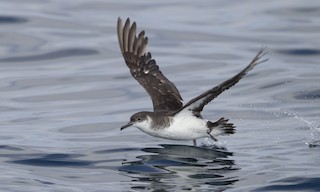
293	184
308	95
12	20
52	55
301	52
55	160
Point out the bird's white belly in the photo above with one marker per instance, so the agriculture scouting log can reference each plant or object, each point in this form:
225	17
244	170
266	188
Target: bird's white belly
183	128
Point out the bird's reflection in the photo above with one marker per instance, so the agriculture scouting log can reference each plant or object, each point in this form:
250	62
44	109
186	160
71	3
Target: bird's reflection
181	167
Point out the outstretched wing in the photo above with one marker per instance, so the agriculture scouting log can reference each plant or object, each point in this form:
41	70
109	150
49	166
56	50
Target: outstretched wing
196	105
164	94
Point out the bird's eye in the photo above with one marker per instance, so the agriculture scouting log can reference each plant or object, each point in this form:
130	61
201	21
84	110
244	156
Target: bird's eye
139	119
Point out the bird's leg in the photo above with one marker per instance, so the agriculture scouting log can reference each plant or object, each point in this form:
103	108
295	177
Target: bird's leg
209	131
194	142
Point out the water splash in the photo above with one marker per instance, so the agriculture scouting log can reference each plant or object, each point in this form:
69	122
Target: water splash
314	133
210	144
314	128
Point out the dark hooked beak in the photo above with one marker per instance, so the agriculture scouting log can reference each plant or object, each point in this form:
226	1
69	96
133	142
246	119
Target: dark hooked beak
125	126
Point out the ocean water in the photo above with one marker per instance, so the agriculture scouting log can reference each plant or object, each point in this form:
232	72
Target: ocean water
65	91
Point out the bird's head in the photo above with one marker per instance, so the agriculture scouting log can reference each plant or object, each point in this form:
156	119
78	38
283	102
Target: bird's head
140	120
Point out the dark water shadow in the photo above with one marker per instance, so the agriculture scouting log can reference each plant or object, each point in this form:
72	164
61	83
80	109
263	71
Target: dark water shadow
300	52
103	159
52	160
18	155
181	167
11	20
293	184
308	95
10	148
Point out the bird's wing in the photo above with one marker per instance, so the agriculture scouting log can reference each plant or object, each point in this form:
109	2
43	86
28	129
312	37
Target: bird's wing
196	104
164	94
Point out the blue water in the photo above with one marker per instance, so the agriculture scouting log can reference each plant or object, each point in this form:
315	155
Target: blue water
65	92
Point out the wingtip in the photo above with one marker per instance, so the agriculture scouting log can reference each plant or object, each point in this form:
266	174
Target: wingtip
134	25
141	34
257	59
262	53
120	36
127	22
120	20
119	23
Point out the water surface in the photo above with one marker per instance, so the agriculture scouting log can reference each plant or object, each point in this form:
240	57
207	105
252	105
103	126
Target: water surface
65	92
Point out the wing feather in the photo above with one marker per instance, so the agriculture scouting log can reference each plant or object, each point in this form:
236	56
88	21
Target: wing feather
164	94
196	104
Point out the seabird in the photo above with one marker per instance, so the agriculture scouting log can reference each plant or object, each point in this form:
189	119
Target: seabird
170	119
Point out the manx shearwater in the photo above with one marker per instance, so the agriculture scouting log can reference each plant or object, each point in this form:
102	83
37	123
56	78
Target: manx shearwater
170	119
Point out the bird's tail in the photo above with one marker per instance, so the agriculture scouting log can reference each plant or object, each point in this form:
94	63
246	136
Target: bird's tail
220	127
